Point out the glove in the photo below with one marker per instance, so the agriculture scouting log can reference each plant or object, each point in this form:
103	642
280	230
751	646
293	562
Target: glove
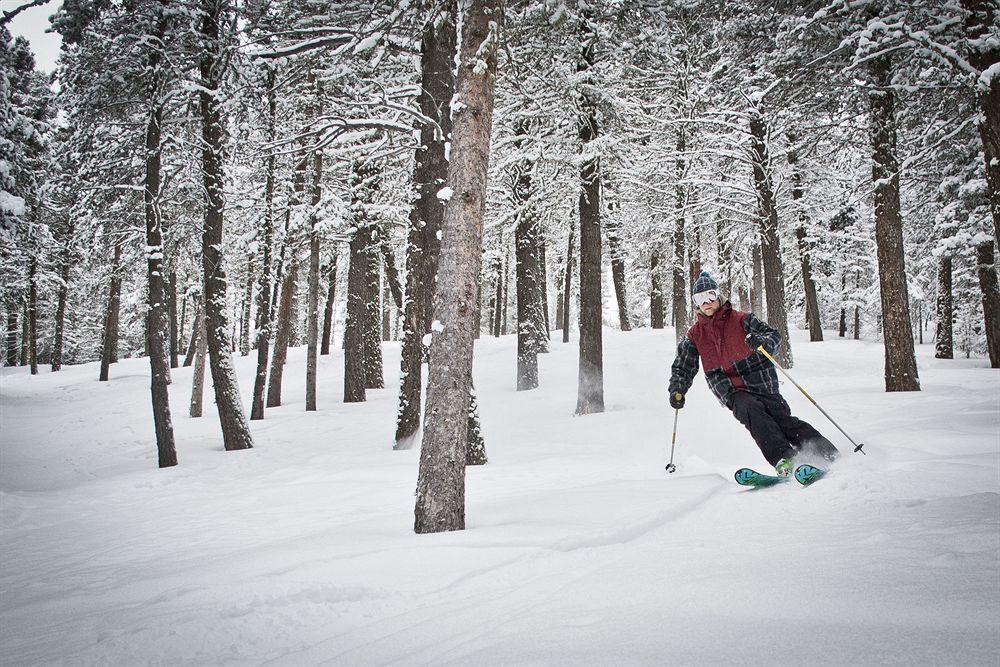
676	400
753	341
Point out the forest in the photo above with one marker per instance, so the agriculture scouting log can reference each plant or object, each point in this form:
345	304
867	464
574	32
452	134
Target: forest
201	180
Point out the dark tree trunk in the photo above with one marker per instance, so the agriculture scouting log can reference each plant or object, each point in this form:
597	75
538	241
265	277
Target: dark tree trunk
354	328
430	172
679	284
245	310
656	319
12	309
33	314
109	348
198	375
986	270
25	334
282	336
984	54
567	294
527	272
757	288
266	238
57	339
944	340
390	273
372	348
312	300
543	278
195	333
498	297
900	362
235	427
157	315
440	503
618	270
331	298
808	284
857	323
171	286
770	246
590	392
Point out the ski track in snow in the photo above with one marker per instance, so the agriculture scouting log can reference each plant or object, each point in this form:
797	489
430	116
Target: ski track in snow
579	548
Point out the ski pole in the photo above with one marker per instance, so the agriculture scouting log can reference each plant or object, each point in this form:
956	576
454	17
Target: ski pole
857	447
670	466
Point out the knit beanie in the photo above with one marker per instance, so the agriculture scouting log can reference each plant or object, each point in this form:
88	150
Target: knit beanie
703	283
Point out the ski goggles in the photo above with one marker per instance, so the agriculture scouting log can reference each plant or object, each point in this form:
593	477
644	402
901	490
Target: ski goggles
707	296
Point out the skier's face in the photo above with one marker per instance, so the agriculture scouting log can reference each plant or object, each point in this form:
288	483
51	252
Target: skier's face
709	307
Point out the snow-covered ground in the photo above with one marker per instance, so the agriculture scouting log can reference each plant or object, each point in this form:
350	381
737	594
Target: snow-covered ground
579	549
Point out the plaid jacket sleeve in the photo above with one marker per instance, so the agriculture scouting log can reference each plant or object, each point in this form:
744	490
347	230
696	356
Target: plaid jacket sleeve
685	366
768	336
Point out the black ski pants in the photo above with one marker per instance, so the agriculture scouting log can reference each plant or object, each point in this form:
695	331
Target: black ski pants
772	426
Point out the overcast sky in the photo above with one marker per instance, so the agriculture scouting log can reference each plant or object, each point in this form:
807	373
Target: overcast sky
32	24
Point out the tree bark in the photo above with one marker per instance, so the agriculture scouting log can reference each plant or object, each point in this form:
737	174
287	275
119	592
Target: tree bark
354	327
440	503
757	286
12	309
527	272
33	314
679	293
331	298
618	269
808	284
198	376
590	391
567	294
171	286
109	348
235	427
770	246
266	238
245	310
64	273
656	319
984	55
283	334
986	271
900	362
944	339
156	315
312	302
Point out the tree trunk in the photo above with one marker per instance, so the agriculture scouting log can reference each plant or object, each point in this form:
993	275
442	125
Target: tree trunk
808	284
198	376
25	335
264	311
545	326
195	333
245	311
235	427
984	55
900	362
156	315
171	286
679	287
372	326
656	319
986	270
590	392
354	327
944	340
331	298
770	246
33	314
12	309
109	348
527	272
64	272
618	270
757	287
440	503
568	285
283	334
498	296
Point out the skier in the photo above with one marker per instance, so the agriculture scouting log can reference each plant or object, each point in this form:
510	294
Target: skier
742	378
